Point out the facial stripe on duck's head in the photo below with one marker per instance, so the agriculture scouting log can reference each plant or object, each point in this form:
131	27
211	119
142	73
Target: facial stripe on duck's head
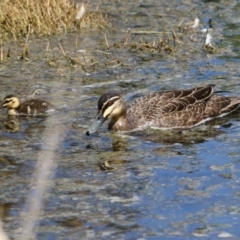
105	98
110	105
10	101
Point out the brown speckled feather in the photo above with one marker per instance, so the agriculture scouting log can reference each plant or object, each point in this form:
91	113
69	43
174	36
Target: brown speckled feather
34	106
179	109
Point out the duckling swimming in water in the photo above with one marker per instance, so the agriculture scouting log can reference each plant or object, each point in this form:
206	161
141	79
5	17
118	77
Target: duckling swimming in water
29	107
177	109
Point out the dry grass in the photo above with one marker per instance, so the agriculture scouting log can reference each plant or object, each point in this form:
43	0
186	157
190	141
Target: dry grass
180	41
184	38
18	18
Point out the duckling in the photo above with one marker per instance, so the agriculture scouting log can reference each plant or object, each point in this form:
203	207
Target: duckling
29	107
177	109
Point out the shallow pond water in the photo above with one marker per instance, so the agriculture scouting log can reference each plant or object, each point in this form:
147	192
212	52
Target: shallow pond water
58	183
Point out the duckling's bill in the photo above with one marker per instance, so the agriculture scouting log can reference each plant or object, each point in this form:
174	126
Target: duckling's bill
99	120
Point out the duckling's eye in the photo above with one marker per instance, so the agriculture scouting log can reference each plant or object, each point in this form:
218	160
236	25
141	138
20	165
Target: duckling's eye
110	103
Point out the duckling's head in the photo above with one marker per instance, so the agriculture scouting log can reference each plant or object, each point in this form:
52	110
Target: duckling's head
110	105
10	101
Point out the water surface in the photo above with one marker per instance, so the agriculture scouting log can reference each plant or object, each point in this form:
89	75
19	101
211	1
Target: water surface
142	185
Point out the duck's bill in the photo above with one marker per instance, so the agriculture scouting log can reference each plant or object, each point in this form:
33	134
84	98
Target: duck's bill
99	120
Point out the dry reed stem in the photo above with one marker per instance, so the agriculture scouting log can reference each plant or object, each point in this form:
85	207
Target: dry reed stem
24	54
92	64
8	53
33	95
175	38
179	25
106	41
1	54
73	61
127	37
51	46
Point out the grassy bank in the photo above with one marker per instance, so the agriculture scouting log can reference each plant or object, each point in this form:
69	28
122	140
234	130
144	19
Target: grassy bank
19	18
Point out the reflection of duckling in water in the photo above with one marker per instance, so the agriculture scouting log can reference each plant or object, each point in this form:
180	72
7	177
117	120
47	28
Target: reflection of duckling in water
11	124
29	107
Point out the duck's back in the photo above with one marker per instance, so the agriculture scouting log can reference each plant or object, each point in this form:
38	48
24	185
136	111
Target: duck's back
33	107
180	109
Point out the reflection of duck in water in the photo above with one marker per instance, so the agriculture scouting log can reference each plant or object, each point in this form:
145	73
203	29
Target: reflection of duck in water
177	109
29	107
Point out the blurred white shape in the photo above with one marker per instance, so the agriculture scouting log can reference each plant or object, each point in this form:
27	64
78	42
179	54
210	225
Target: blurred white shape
3	235
208	38
196	23
205	30
81	50
42	178
80	13
225	235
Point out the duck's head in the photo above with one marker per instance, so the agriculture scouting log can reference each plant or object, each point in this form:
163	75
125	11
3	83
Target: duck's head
10	102
110	105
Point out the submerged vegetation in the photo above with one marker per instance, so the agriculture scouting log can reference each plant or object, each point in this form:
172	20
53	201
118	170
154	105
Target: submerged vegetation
19	18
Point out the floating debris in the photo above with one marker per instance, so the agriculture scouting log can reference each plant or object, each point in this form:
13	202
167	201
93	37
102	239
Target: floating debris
209	46
225	235
105	165
208	40
205	30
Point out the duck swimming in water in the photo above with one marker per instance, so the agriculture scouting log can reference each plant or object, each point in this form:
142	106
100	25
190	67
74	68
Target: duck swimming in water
29	107
177	109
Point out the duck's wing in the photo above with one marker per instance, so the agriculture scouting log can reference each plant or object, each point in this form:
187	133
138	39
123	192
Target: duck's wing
164	103
185	100
180	108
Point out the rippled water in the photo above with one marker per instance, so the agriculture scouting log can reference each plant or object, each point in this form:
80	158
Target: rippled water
142	185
